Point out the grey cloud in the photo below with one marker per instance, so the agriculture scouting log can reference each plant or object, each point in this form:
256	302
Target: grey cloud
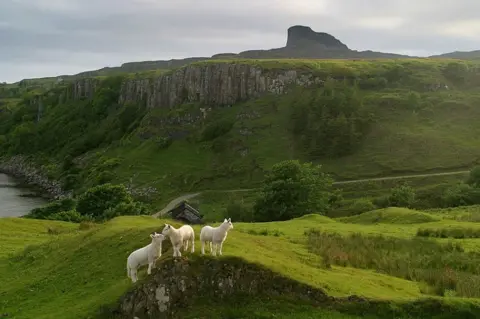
68	36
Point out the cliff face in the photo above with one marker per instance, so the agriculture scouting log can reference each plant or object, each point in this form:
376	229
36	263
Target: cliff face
212	84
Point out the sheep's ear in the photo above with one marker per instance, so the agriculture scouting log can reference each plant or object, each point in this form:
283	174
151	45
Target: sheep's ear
225	220
152	235
229	220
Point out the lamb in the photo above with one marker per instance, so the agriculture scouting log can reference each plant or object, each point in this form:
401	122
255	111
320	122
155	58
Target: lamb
145	255
215	235
180	237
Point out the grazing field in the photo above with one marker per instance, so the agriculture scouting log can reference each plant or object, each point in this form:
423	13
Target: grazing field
84	266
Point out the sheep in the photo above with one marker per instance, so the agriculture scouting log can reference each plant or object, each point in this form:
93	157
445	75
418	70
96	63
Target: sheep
215	235
180	237
145	255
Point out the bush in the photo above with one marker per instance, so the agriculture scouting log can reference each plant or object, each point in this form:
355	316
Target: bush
362	205
52	208
292	189
474	177
123	209
69	216
461	194
97	200
450	232
402	196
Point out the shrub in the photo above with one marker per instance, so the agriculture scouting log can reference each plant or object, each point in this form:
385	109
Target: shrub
474	177
292	189
451	232
97	200
402	196
69	216
362	205
123	209
461	194
49	209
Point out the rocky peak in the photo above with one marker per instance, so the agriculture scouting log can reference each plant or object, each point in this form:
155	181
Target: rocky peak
302	36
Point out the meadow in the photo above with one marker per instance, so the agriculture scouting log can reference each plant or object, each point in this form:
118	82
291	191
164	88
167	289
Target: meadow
82	267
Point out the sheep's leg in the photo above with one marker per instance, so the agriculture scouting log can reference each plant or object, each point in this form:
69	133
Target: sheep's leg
185	245
149	270
203	247
214	251
221	246
211	248
133	274
193	245
179	254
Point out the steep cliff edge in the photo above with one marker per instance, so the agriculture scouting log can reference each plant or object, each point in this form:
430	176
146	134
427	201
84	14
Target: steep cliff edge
212	84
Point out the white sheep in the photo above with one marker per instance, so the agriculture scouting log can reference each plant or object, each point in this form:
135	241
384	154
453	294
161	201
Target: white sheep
180	237
145	255
215	235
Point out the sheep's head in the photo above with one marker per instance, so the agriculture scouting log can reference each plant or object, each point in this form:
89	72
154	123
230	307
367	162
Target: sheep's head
166	229
157	238
228	223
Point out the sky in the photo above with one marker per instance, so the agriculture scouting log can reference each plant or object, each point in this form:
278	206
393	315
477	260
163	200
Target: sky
53	37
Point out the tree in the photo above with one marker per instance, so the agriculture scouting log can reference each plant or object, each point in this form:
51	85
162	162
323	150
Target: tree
292	189
402	196
474	177
97	200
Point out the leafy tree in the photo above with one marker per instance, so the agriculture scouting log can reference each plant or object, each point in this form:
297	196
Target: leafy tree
292	189
97	200
330	122
402	196
474	177
461	194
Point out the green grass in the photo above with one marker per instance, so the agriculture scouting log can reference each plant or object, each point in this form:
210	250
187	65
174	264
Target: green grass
391	215
84	269
17	233
261	308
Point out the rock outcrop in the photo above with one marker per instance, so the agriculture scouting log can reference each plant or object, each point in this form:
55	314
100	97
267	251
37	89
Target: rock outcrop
177	283
301	37
212	84
20	167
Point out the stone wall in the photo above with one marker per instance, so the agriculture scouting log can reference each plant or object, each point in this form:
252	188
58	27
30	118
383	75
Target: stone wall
176	283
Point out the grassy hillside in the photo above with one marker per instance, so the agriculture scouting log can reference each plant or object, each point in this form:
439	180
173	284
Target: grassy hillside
380	117
84	269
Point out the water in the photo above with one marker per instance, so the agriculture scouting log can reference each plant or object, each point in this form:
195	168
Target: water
11	203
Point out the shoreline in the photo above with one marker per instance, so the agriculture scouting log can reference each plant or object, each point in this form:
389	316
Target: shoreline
30	177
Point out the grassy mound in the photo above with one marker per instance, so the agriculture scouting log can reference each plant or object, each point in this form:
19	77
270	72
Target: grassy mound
391	215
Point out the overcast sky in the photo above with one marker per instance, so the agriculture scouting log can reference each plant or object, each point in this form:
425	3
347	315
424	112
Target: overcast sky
52	37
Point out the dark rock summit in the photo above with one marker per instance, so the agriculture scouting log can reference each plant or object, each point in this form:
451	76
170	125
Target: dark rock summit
302	36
